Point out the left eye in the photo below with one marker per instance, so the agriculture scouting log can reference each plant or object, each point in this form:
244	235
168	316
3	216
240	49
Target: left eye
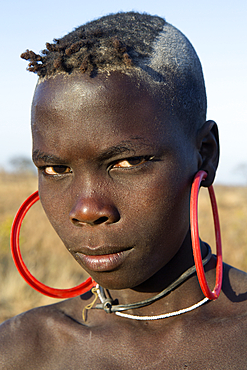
56	170
131	162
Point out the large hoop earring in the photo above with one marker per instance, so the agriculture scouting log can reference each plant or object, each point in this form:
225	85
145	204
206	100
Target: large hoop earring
22	268
201	175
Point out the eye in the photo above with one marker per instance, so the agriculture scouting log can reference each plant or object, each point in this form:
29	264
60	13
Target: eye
56	170
132	162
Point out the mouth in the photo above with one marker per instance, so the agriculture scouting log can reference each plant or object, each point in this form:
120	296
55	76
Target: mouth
102	261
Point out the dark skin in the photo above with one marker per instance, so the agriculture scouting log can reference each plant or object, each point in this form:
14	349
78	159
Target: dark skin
115	173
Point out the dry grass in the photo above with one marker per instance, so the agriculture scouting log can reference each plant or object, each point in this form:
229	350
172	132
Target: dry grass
48	260
232	206
40	246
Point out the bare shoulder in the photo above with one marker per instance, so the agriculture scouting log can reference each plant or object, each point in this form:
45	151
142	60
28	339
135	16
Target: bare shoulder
225	322
235	287
229	312
231	306
27	340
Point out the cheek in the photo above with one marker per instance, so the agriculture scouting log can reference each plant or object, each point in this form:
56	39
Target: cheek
55	206
158	210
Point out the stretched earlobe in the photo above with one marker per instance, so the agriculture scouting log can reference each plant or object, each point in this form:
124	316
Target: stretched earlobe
22	268
196	240
208	149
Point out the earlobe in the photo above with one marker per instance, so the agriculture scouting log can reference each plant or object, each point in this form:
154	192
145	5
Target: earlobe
208	150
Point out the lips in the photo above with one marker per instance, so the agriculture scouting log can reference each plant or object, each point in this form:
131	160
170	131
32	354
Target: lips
102	262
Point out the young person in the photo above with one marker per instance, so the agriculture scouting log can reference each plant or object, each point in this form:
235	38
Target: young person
119	133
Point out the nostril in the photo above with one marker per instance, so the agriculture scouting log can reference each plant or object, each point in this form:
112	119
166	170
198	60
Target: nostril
75	221
100	220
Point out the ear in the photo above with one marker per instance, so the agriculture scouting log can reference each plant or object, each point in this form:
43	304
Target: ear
208	149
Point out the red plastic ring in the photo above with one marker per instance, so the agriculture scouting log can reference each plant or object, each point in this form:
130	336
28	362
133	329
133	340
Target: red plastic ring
22	268
201	175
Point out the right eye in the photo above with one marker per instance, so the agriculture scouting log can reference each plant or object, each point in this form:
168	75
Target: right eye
57	170
133	162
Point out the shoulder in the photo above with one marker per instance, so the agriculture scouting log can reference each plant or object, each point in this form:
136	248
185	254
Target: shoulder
228	313
26	338
226	321
235	284
230	309
22	338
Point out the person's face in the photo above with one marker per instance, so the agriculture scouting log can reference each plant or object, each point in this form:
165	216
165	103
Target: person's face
114	174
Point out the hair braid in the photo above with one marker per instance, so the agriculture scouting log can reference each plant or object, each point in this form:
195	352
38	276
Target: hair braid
159	52
111	40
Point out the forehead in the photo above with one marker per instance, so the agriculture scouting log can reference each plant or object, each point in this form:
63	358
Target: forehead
106	108
115	90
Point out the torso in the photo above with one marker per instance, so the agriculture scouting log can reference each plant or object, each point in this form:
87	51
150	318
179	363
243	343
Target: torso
55	337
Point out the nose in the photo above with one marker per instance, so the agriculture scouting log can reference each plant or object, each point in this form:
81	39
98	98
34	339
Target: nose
92	211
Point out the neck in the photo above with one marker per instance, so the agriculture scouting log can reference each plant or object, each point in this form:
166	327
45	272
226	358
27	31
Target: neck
164	278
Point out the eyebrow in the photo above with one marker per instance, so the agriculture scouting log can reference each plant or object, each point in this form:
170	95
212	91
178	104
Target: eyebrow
123	147
41	156
126	146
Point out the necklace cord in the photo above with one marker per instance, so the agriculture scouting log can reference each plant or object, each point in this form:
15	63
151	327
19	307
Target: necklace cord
90	305
165	315
107	304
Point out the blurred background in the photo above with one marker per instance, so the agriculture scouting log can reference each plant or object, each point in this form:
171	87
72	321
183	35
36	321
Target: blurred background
217	30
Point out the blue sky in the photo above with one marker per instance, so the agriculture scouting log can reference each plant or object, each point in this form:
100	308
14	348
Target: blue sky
217	29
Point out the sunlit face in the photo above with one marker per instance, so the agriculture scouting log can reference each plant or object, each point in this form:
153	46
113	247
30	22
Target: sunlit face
114	174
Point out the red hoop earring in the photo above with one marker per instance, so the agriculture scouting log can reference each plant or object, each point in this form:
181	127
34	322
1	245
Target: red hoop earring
201	175
22	268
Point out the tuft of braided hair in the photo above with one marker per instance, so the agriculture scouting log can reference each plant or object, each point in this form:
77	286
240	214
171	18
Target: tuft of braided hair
120	40
162	55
